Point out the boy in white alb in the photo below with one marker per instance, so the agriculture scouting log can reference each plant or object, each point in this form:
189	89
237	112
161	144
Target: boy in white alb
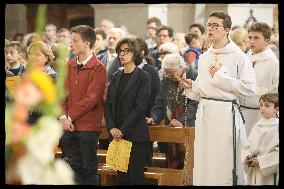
266	69
224	74
261	154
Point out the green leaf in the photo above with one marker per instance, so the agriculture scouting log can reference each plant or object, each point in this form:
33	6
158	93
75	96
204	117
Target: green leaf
40	18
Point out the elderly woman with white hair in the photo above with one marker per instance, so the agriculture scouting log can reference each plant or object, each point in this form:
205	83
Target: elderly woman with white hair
172	105
164	49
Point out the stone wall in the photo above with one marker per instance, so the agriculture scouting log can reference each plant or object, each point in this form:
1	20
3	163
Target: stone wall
15	19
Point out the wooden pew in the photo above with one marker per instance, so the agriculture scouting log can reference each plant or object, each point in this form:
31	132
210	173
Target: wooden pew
163	176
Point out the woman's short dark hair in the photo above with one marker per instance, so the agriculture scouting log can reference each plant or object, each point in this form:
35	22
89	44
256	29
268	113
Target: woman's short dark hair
133	47
144	47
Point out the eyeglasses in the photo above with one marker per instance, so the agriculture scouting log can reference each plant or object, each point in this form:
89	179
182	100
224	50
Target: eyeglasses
164	36
172	76
125	51
163	53
213	26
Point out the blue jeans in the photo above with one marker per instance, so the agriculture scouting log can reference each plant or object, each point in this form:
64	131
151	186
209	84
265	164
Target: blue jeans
80	148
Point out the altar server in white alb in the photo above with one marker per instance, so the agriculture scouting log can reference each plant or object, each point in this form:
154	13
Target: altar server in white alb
261	154
224	74
266	69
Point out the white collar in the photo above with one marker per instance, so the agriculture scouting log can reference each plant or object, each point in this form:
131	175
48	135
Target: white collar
110	55
268	122
142	64
16	66
86	60
267	54
228	49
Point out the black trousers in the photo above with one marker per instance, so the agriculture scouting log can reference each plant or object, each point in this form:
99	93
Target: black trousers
81	150
135	173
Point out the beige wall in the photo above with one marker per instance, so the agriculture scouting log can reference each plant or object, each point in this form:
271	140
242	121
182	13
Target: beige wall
215	7
180	16
15	19
133	16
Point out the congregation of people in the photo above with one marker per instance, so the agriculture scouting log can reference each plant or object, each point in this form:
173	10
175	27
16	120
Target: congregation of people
220	78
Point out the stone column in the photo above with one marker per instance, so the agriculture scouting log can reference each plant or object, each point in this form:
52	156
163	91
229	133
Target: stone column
199	16
180	16
15	19
275	18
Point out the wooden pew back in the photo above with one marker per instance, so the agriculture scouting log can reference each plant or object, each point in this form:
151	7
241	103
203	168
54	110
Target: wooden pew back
163	133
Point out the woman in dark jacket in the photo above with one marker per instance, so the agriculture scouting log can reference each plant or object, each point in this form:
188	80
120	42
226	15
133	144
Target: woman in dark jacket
125	109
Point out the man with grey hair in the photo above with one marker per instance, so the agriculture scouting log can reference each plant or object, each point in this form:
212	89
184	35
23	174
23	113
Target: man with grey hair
106	25
108	57
172	105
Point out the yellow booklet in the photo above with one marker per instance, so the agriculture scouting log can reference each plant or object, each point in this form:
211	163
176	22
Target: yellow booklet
12	83
118	155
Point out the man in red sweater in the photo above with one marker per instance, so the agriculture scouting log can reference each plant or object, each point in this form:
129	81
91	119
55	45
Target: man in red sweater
86	86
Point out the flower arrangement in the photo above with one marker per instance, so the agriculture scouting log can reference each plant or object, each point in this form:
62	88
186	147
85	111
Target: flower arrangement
30	149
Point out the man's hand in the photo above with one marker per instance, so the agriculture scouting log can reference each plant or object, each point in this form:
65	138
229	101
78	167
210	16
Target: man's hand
251	161
67	124
247	160
214	68
176	123
150	121
254	162
116	134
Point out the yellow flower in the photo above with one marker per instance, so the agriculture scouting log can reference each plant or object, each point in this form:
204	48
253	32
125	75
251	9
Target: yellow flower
44	83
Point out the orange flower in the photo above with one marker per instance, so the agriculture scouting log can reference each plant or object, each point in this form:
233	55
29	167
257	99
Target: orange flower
20	113
28	94
19	131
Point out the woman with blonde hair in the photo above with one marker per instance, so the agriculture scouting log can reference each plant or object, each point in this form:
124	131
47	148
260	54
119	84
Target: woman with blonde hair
240	38
40	55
